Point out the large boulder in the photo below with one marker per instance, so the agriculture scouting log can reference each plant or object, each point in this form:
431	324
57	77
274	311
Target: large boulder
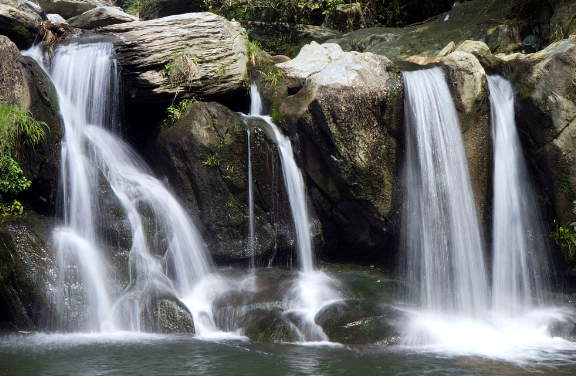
101	16
18	22
343	112
195	54
163	8
204	155
70	8
24	85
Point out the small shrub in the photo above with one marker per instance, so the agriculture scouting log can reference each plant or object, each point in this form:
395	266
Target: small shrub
211	160
182	70
16	126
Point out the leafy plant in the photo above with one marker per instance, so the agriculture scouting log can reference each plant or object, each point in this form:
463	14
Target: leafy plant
272	77
211	160
182	69
16	127
565	238
228	173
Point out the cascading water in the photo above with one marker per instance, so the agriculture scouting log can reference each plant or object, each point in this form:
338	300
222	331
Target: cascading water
520	267
314	289
173	265
443	246
439	225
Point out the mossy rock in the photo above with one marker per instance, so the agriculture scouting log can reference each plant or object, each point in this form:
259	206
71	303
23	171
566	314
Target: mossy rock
267	325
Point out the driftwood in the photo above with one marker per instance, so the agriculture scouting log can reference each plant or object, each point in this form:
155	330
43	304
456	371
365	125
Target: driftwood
52	33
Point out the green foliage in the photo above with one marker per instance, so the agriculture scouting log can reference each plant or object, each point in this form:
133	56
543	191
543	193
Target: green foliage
211	160
16	127
182	69
228	172
15	208
253	51
133	6
312	12
565	237
272	77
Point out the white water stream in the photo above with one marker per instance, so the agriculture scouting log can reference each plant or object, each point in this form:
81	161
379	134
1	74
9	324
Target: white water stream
314	289
444	256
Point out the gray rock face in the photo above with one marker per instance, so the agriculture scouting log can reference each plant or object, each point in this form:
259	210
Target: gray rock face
101	16
195	54
163	8
70	8
343	111
18	22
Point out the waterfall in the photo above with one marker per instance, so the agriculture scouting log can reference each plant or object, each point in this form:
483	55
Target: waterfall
313	289
92	157
443	252
520	267
441	236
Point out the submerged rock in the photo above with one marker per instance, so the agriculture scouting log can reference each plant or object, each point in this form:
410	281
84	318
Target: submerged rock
343	112
101	16
195	54
267	325
163	8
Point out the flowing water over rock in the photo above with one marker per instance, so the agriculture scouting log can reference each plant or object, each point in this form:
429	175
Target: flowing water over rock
92	157
444	250
520	264
314	289
442	244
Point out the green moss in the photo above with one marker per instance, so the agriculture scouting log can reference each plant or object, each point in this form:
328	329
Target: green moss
22	31
525	90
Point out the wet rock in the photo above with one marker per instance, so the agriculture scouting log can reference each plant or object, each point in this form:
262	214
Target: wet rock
24	84
101	16
163	8
352	322
204	156
343	114
166	314
70	8
267	325
18	22
28	274
195	54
